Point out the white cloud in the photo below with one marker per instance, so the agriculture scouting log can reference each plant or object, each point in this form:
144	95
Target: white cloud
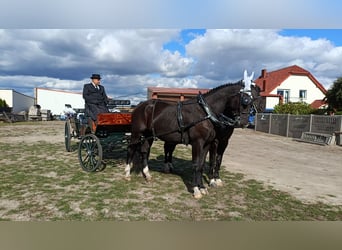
223	54
174	64
130	60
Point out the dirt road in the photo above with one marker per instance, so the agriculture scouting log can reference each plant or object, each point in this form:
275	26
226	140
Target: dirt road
310	172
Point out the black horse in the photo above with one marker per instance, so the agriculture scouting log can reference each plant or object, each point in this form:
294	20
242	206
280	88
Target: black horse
218	146
191	122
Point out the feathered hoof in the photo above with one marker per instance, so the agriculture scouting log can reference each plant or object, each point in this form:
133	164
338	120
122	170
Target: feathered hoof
204	191
197	193
127	178
219	182
213	183
148	179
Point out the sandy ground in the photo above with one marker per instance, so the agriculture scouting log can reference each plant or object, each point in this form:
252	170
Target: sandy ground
308	171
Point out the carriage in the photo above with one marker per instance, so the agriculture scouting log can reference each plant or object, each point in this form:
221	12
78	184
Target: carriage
102	139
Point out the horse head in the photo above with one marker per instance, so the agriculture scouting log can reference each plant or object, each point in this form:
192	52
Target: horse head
249	94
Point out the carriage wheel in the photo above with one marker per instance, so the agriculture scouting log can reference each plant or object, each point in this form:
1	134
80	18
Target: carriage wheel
67	136
90	153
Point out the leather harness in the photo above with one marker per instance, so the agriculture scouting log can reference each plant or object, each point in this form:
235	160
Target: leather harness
221	120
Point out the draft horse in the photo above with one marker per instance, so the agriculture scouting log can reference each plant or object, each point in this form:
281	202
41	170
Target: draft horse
189	122
223	133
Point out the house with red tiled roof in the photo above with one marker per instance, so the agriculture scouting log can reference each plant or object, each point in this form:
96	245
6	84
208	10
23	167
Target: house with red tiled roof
291	84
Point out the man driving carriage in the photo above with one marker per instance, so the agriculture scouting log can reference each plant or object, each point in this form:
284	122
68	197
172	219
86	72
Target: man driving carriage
95	98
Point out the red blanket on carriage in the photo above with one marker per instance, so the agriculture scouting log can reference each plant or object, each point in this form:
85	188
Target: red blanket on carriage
114	119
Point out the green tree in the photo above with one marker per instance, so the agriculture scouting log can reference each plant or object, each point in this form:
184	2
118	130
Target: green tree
334	96
294	108
3	104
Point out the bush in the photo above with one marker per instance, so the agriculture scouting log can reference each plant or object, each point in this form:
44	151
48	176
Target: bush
294	108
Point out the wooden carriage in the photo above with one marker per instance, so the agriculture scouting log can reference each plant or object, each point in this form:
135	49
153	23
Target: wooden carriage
109	134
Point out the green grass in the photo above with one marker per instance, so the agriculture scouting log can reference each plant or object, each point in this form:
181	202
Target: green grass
42	182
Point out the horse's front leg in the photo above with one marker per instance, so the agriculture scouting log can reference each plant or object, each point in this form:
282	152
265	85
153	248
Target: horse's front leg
217	179
222	146
212	163
198	164
168	151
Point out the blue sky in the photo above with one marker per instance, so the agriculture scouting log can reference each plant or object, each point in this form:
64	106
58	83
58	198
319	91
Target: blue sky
333	35
186	36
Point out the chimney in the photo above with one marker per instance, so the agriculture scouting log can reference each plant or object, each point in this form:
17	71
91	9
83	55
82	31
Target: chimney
263	76
264	85
263	73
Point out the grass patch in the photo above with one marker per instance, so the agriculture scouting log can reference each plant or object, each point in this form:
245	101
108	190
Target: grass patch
42	182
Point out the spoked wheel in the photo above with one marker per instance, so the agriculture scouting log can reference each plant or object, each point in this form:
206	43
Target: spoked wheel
67	135
90	153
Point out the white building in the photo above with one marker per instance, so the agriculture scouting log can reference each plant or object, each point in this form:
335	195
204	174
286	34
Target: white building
55	100
16	101
291	84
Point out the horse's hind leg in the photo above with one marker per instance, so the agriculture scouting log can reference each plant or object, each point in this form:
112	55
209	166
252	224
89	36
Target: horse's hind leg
168	151
131	152
145	153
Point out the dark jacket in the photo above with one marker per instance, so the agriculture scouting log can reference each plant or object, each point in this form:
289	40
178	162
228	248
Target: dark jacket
96	100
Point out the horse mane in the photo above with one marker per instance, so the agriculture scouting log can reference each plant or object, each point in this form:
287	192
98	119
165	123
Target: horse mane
194	99
239	83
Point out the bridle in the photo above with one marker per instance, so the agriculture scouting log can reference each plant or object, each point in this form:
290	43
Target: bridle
221	119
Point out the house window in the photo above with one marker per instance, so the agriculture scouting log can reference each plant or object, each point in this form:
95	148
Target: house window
302	94
285	93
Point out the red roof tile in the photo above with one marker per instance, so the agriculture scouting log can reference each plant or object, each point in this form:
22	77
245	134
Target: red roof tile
268	81
317	104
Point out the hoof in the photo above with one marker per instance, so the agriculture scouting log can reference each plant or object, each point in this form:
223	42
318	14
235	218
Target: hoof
204	191
219	182
197	193
127	178
148	179
213	183
168	168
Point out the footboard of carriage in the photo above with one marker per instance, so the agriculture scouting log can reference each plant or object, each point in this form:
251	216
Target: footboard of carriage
104	139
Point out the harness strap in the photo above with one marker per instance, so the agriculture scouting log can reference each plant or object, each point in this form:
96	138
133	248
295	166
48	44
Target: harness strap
152	125
180	117
180	121
221	121
182	128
